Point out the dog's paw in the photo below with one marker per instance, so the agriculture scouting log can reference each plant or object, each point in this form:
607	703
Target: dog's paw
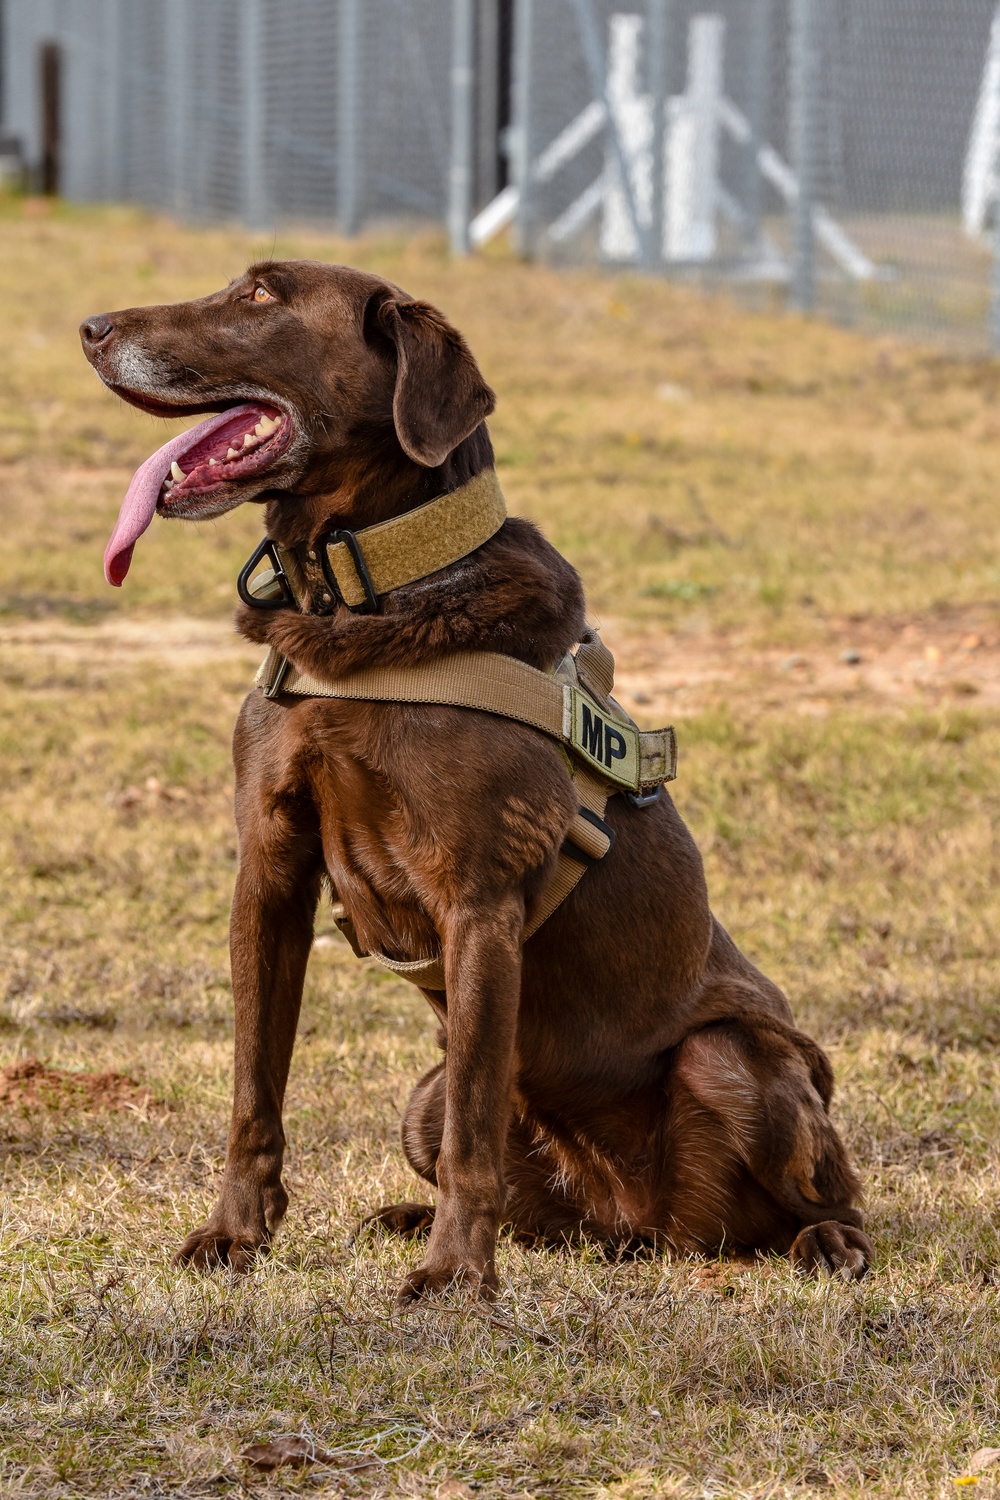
409	1220
431	1281
211	1249
831	1249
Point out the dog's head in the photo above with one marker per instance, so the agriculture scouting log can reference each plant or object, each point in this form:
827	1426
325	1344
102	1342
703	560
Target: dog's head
306	366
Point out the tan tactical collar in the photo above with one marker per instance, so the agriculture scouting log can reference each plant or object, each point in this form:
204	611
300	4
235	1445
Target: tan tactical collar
356	568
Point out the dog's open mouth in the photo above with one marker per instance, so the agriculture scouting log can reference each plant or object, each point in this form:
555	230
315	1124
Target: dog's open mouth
191	474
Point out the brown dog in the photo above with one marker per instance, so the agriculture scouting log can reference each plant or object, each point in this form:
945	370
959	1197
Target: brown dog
626	1073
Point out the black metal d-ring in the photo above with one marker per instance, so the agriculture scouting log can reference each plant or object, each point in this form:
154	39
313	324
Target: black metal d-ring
266	549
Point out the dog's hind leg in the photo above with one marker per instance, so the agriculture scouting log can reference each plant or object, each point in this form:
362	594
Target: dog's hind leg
537	1209
422	1128
752	1097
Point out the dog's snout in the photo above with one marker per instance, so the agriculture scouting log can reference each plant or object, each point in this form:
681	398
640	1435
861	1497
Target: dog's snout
96	331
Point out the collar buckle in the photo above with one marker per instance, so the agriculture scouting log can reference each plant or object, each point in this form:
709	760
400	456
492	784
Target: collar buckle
369	604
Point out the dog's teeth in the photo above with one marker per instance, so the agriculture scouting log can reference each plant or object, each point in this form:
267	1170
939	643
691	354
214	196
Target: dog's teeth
212	461
267	425
177	471
233	453
248	440
260	430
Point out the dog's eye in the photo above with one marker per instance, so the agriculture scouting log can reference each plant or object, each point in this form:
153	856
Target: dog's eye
261	294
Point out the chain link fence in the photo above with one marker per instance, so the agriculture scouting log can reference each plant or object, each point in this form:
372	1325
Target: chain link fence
255	110
842	150
840	155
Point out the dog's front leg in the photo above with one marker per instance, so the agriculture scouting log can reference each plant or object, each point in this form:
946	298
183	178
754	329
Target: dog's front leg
482	951
271	933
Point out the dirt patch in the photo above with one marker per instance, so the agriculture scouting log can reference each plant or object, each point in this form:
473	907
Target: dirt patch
30	1085
718	1278
933	659
175	640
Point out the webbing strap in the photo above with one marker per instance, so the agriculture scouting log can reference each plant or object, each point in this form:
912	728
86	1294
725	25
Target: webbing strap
598	732
426	973
433	536
595	666
474	679
593	795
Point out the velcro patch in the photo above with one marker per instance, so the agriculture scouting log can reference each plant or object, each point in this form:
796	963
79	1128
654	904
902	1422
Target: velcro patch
610	746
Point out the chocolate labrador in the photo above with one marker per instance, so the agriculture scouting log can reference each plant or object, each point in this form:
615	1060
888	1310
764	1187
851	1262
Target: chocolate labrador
625	1074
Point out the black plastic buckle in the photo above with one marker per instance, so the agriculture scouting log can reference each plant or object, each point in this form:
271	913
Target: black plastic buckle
572	849
644	799
369	606
269	550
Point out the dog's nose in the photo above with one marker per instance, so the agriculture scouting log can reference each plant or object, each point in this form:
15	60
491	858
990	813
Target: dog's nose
96	331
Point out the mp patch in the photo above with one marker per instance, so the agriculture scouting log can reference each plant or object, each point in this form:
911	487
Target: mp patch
610	746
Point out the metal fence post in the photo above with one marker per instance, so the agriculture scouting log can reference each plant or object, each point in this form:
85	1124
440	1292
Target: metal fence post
658	21
254	194
116	182
522	142
463	43
993	204
995	272
178	69
597	68
348	132
804	86
758	94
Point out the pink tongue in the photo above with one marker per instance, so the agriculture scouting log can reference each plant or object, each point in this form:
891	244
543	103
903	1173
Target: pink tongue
139	505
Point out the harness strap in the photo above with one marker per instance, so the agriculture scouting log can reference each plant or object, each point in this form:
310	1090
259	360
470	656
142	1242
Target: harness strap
588	722
584	836
572	705
594	665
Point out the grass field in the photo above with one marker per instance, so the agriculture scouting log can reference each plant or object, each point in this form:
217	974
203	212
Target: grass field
791	537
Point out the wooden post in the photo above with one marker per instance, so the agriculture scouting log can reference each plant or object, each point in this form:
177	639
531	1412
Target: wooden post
50	62
593	53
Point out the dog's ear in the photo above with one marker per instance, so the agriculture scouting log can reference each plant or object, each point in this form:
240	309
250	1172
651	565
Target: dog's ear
440	395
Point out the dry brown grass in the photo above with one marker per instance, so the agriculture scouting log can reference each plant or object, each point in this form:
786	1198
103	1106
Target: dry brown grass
801	491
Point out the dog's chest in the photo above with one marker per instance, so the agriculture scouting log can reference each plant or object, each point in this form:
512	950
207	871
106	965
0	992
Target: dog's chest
422	808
